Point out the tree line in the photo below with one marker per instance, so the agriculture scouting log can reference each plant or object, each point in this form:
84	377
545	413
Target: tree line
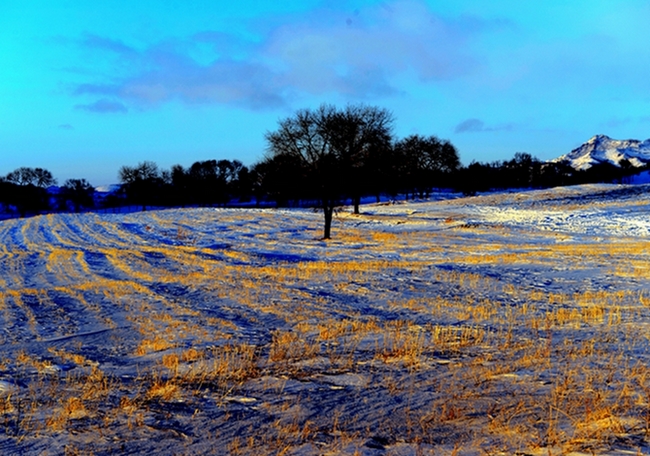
26	191
323	157
526	171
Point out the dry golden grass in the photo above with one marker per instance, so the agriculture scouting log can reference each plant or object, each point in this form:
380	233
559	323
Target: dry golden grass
153	345
290	346
72	408
164	390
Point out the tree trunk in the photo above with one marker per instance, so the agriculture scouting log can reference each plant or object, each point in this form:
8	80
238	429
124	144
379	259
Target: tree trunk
357	201
327	210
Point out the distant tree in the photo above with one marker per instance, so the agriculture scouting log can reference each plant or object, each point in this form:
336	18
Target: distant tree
43	178
523	171
600	172
204	183
387	168
142	183
359	136
208	182
178	176
37	177
311	140
145	171
21	176
227	170
27	189
330	151
227	176
476	177
5	192
180	186
627	169
258	188
283	178
79	192
554	174
242	186
306	138
425	162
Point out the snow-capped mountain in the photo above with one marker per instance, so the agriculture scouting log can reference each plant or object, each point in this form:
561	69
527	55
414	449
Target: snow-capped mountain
603	149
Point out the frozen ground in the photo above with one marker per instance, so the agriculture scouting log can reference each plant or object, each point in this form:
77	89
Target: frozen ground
513	323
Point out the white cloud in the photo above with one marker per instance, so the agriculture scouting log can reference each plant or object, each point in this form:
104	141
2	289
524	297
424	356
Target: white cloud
326	52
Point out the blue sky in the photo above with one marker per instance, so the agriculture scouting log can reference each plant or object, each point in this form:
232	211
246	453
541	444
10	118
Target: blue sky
86	87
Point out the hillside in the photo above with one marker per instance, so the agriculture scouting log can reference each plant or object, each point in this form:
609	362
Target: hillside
603	149
511	323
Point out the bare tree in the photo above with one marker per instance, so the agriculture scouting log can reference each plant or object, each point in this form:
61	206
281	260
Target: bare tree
359	135
37	177
306	136
141	183
21	176
29	192
79	192
424	161
336	148
43	178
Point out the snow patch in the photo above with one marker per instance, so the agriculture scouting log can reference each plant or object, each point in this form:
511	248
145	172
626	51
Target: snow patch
603	149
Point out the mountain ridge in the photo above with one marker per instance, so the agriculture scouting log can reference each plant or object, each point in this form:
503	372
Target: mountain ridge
603	149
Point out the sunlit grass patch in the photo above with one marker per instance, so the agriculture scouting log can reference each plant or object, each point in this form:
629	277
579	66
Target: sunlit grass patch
153	345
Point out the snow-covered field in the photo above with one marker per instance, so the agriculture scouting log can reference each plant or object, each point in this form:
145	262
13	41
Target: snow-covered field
511	323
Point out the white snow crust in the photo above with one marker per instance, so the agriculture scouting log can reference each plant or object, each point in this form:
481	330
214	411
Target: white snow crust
456	326
603	149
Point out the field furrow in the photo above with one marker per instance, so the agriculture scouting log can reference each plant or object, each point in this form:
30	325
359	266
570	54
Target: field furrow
501	324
